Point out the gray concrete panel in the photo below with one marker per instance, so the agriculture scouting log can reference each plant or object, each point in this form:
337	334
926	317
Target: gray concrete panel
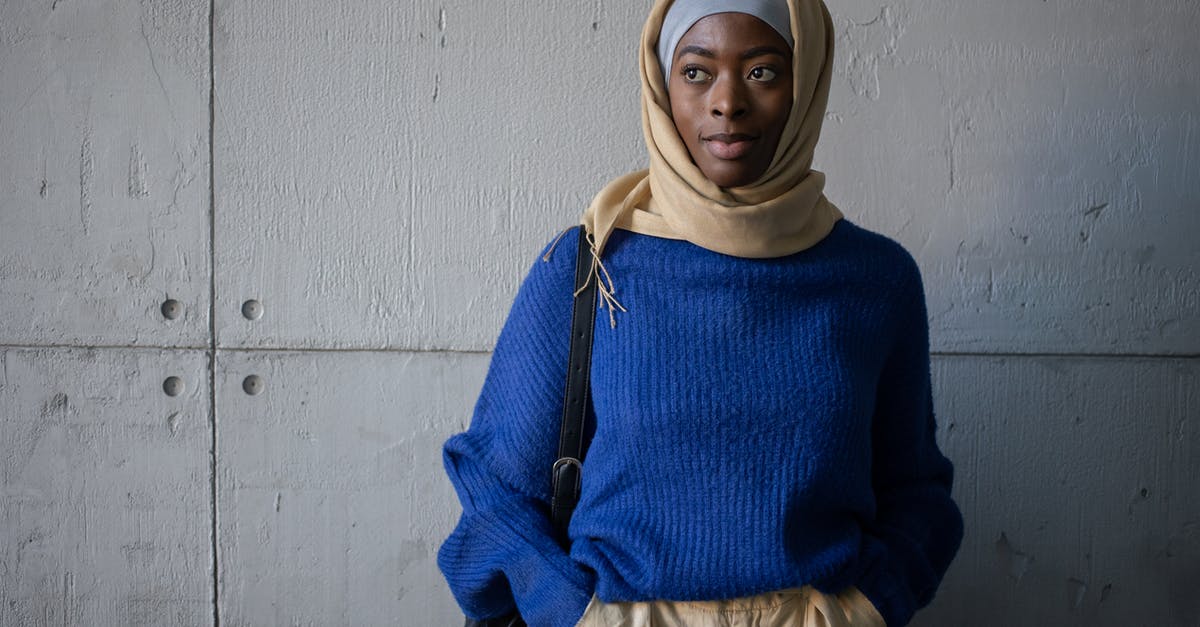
1077	481
332	498
105	513
1039	160
385	172
104	172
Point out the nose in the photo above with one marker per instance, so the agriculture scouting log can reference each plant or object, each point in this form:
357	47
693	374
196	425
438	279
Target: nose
728	98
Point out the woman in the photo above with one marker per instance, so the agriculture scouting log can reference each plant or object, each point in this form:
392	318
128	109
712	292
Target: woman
764	448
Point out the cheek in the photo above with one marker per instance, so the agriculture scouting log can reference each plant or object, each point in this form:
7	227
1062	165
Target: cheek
683	117
680	115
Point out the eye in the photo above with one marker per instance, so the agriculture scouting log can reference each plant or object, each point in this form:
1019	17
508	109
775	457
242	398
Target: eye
763	73
693	74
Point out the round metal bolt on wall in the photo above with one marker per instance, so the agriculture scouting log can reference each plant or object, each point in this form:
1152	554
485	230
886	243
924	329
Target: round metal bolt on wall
173	386
253	385
172	309
252	309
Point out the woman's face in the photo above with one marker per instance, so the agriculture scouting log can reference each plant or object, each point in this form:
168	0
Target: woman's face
731	92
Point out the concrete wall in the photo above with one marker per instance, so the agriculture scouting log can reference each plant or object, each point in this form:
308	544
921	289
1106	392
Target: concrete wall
377	175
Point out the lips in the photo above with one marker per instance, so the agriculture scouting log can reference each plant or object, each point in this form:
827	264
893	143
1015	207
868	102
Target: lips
729	146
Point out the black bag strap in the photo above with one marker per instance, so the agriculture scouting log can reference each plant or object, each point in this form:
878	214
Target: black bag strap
568	470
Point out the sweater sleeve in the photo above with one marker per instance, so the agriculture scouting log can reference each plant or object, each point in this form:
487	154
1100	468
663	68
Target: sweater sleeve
502	554
918	528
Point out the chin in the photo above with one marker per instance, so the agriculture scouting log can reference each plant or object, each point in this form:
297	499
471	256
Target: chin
731	173
725	178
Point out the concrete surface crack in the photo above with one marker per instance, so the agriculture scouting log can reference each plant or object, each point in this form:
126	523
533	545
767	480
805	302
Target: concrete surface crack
154	67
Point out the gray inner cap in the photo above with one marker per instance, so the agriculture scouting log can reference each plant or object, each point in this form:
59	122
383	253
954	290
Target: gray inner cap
684	14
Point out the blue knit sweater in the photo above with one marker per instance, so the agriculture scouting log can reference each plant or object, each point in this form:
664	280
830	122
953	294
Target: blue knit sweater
761	424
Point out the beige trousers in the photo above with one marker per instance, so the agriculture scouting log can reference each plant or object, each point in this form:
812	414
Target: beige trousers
797	607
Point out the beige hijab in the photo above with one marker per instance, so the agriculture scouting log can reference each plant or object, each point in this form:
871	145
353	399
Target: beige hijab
782	213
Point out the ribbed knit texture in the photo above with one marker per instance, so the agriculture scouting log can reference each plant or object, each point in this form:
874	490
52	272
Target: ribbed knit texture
761	424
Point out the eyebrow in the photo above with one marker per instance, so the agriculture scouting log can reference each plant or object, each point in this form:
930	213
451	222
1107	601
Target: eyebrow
749	54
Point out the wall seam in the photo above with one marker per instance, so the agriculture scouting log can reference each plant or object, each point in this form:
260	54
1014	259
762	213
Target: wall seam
212	313
1067	355
211	348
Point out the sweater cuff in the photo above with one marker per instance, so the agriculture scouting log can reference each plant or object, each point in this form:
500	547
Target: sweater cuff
550	601
551	589
548	597
566	612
